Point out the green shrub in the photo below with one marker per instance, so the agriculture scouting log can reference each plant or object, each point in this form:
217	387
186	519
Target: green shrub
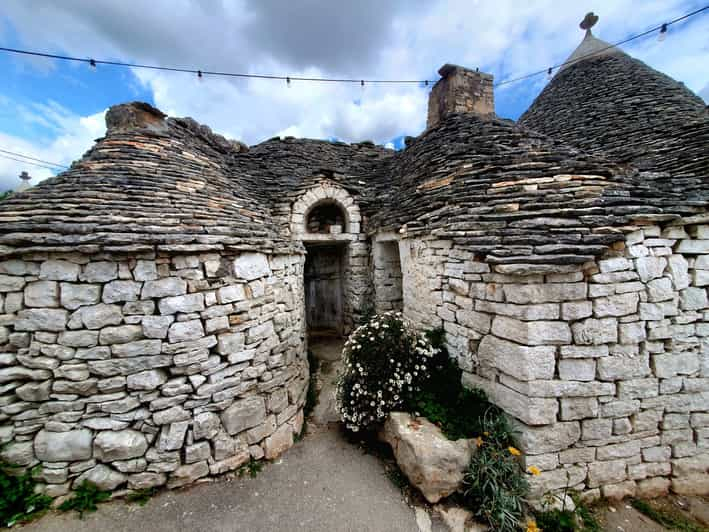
311	398
251	468
444	400
86	497
18	499
385	362
495	485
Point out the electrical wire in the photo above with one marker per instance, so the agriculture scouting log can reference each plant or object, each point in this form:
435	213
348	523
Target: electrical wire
288	79
614	45
57	165
52	168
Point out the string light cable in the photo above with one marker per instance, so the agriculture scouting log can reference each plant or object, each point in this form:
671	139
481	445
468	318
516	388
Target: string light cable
288	79
7	154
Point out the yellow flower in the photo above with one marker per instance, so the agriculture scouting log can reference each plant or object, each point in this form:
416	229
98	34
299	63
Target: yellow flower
486	433
534	470
532	526
479	442
513	451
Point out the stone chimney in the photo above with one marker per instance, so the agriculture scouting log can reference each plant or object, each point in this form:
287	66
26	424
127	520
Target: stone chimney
460	90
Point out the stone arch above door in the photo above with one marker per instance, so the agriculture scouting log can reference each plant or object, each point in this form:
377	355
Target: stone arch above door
324	193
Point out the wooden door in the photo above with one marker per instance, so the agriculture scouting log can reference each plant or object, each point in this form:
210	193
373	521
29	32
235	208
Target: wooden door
324	288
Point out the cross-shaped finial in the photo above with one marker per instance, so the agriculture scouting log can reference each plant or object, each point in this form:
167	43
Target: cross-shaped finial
588	21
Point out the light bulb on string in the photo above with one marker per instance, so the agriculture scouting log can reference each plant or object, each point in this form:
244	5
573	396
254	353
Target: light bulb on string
92	64
288	81
663	33
549	76
199	75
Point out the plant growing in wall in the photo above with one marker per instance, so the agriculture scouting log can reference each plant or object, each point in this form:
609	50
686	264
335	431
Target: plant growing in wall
18	499
385	363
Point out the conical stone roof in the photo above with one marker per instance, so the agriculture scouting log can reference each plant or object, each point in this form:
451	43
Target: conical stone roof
606	102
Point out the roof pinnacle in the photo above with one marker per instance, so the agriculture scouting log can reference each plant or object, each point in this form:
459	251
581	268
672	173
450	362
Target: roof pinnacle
588	21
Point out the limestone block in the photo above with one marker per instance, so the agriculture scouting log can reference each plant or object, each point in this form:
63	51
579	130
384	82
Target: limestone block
604	473
619	491
99	272
576	310
618	450
185	303
186	474
621	408
653	487
98	316
661	453
42	294
108	368
19	373
597	429
231	294
695	465
477	321
612	368
137	348
81	338
233	462
278	442
166	287
141	481
145	270
583	351
205	425
216	325
678	268
157	326
532	332
615	264
649	268
260	332
595	331
120	335
74	295
244	414
183	331
67	446
670	364
101	476
549	438
146	380
230	343
94	353
693	484
172	437
544	292
617	305
693	298
9	283
250	266
577	369
700	277
197	452
41	320
659	290
632	333
34	391
19	267
117	291
522	362
693	247
573	408
170	415
59	270
20	453
431	462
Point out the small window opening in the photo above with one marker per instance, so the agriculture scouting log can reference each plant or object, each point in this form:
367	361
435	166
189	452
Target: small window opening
326	218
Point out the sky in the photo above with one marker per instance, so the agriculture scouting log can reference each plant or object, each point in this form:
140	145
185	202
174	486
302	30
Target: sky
54	110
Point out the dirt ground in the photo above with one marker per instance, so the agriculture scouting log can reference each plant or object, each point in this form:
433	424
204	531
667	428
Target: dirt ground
622	517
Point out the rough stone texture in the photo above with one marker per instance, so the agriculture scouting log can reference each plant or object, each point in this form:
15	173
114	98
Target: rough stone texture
98	380
431	462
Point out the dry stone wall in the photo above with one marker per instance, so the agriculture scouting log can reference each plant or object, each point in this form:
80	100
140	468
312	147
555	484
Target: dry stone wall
605	370
152	370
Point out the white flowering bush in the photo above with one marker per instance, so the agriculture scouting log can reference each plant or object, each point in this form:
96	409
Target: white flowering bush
385	363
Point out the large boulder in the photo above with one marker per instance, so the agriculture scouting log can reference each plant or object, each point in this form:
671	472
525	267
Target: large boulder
431	462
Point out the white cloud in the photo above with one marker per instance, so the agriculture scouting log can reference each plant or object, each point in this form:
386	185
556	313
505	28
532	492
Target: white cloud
71	136
397	39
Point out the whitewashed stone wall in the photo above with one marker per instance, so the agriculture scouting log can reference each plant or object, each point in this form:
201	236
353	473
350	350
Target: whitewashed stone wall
149	371
387	276
605	370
